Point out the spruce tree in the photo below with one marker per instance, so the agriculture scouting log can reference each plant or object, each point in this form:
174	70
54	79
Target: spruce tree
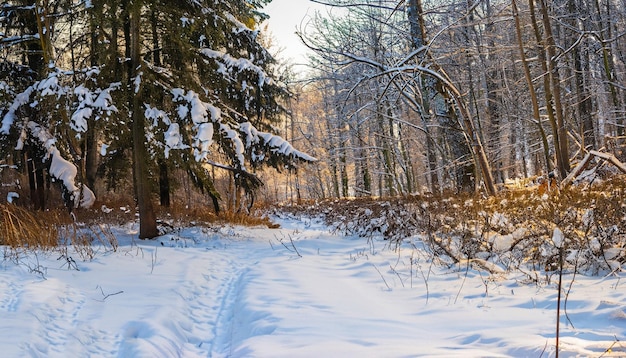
182	83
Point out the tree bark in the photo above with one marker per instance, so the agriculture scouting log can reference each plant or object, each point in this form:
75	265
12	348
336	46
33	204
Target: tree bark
164	184
418	37
548	95
147	218
580	55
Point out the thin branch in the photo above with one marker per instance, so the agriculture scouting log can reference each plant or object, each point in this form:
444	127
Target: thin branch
108	295
381	276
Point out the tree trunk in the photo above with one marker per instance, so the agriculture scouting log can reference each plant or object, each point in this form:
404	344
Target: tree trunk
560	131
531	88
608	66
36	179
541	51
147	218
164	184
447	89
494	109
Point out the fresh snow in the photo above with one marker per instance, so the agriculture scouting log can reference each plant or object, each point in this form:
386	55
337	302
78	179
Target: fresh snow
12	196
297	291
61	169
237	64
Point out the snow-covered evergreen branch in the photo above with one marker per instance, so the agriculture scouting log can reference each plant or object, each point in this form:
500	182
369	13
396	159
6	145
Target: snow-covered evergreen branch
76	194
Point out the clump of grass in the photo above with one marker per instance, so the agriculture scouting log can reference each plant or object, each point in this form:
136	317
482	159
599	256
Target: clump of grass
21	228
79	239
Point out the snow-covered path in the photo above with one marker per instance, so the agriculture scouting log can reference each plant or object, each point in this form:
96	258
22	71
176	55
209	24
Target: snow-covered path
250	292
168	298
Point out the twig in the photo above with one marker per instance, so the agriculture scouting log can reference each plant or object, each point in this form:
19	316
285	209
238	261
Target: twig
569	289
69	261
107	295
397	274
558	302
463	282
411	272
154	259
610	349
545	346
294	246
381	276
38	269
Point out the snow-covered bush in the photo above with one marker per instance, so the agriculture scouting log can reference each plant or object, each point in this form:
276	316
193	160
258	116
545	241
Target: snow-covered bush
513	230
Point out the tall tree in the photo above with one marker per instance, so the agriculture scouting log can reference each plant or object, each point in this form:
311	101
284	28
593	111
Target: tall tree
208	100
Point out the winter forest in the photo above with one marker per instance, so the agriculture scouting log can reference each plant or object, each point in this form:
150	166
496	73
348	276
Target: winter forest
403	98
483	138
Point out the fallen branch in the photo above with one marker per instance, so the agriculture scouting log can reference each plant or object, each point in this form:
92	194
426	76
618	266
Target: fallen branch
583	164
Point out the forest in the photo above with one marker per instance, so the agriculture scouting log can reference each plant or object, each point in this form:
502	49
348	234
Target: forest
158	104
432	96
446	178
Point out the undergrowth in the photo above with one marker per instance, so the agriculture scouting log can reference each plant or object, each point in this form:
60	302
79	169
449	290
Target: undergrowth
85	231
512	230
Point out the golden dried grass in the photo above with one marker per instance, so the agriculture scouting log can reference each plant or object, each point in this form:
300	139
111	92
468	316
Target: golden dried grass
21	228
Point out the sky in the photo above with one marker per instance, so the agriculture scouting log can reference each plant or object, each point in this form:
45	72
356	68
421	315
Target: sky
286	16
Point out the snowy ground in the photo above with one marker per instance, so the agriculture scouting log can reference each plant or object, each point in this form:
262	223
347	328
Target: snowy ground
240	292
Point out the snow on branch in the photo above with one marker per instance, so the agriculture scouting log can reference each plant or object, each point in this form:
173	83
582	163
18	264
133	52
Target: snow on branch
275	143
238	145
172	137
202	115
9	117
50	86
98	101
228	63
89	102
238	25
238	136
62	170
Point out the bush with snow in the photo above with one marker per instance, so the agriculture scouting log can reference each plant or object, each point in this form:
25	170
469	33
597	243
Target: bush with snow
516	230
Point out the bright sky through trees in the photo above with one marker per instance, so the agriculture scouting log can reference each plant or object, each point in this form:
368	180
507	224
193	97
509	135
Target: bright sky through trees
286	16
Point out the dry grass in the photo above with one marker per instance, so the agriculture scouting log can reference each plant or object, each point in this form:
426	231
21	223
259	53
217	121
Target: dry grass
87	232
246	220
592	218
21	228
120	212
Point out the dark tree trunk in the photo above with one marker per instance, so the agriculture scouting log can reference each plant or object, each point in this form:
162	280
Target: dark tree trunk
164	184
91	157
36	180
147	218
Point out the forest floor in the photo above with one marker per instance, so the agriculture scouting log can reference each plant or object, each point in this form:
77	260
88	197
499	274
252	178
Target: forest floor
305	289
